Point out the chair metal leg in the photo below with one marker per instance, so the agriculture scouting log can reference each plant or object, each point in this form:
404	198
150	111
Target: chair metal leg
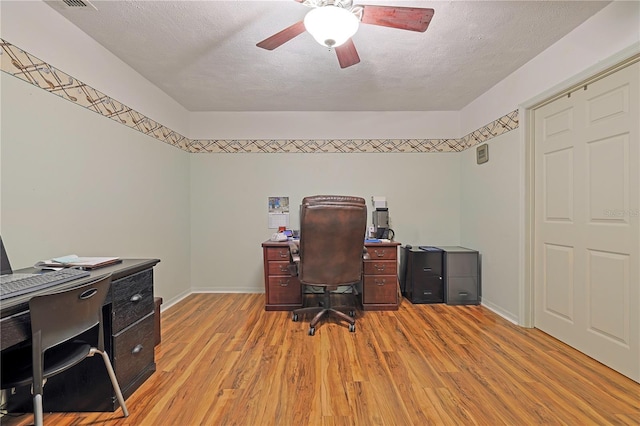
344	316
37	410
317	318
114	381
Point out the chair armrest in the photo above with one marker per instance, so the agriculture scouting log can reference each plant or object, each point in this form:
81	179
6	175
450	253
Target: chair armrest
365	254
294	251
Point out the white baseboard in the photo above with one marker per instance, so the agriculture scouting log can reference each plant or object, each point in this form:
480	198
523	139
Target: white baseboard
226	290
166	304
496	309
169	303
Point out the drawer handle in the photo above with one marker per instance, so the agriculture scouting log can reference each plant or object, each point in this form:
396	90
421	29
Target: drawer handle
136	298
463	293
87	294
284	283
380	267
379	253
137	349
284	268
381	282
283	254
426	269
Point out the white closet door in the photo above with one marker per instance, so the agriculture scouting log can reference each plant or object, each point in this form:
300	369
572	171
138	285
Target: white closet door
587	233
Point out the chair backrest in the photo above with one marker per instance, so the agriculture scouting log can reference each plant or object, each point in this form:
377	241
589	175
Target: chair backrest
57	317
332	232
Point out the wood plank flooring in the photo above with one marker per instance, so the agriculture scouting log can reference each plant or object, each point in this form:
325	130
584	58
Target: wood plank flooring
223	360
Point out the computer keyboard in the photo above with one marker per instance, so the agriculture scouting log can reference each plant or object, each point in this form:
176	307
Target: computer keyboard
31	282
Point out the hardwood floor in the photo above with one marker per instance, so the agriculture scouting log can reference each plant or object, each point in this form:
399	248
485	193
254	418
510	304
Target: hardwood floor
223	360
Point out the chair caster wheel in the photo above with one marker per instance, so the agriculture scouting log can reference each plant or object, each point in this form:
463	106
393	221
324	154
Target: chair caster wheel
312	331
352	314
352	328
294	317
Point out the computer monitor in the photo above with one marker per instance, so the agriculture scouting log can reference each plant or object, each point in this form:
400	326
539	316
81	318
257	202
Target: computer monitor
6	265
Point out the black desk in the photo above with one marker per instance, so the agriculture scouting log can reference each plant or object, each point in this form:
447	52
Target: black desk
129	341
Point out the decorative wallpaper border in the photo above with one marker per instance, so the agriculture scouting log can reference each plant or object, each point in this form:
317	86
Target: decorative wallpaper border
17	62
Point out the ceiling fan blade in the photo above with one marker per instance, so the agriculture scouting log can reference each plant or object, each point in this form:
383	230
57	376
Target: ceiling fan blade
282	37
347	54
403	18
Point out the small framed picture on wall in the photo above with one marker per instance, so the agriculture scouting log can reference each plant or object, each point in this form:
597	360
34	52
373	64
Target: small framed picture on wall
482	153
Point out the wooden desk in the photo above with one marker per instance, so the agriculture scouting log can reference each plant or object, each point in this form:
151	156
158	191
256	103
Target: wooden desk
378	290
129	340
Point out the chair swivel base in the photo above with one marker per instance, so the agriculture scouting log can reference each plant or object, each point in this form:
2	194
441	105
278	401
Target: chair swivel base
321	311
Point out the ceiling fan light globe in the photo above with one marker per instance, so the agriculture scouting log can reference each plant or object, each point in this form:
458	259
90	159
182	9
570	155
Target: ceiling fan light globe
331	26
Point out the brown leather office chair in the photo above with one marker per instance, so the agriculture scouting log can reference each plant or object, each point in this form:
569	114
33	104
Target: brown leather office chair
330	252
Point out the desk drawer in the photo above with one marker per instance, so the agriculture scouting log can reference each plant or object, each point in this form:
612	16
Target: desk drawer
380	289
461	264
132	299
278	253
380	267
284	290
133	350
382	253
462	291
279	268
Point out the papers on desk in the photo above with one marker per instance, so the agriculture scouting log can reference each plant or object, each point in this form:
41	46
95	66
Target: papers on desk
74	260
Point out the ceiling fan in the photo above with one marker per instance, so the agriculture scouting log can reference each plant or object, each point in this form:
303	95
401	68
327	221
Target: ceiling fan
333	22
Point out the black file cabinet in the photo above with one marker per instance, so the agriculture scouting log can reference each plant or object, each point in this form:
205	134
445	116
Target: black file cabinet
461	275
421	278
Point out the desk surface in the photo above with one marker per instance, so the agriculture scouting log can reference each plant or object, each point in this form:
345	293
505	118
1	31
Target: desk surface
18	304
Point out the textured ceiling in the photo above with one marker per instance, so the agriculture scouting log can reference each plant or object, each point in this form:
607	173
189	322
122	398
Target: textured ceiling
203	53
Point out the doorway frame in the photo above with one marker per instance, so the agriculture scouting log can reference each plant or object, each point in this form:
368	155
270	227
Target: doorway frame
526	112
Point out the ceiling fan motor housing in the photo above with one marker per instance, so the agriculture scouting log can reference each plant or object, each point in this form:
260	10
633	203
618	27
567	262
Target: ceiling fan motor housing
345	4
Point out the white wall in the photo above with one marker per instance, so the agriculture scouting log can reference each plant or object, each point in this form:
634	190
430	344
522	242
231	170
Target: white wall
230	194
134	187
613	29
493	194
325	125
210	210
41	31
73	181
490	201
